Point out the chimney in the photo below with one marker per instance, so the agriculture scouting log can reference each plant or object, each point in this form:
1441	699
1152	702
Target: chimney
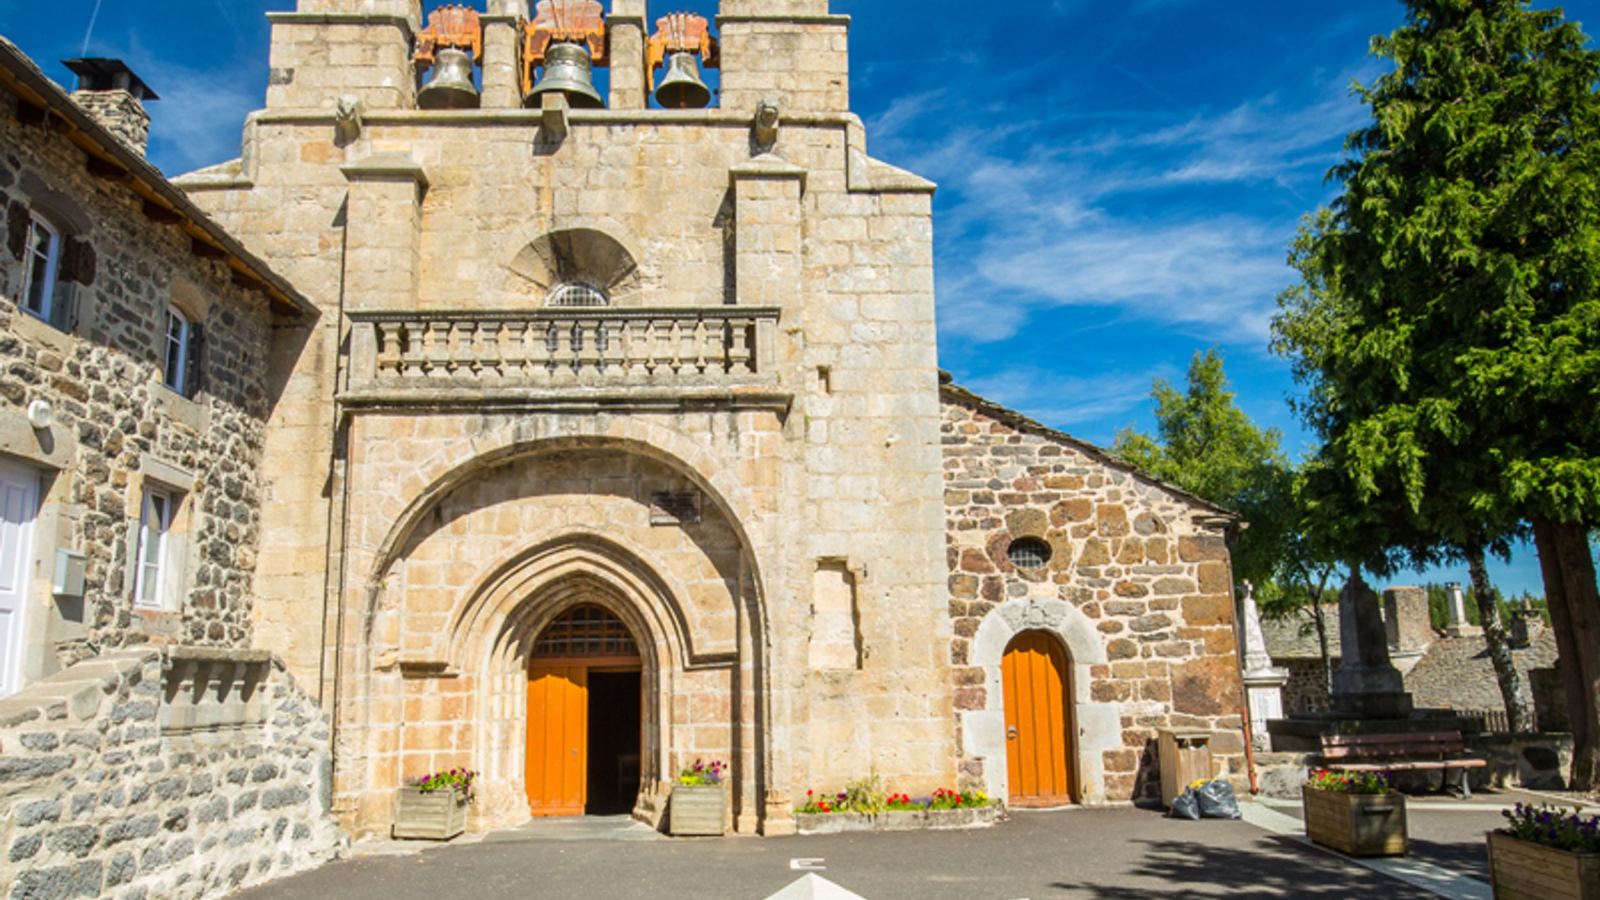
1406	618
1524	625
1458	625
113	96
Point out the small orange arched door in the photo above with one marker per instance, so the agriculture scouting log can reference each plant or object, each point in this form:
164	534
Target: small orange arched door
1040	748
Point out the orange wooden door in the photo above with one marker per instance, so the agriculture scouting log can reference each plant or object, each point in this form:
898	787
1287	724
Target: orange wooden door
558	739
1039	742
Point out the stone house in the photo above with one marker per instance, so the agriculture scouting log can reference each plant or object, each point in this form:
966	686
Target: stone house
146	749
1442	669
617	440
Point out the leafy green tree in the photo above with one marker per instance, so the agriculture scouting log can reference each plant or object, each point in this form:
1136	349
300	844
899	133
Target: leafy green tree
1448	326
1207	445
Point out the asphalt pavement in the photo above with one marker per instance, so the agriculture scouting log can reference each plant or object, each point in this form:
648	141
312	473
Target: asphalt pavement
1069	854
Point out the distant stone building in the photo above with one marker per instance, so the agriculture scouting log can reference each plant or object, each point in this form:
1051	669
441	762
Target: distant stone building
618	441
1442	669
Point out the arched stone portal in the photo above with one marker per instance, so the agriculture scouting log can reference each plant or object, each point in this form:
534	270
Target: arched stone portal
495	560
1096	727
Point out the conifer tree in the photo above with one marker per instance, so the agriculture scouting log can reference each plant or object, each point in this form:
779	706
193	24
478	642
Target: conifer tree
1448	327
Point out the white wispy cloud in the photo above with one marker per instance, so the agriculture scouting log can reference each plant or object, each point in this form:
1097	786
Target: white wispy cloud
1068	401
1029	222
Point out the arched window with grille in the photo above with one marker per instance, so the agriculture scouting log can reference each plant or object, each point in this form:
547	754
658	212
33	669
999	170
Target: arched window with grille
578	295
586	632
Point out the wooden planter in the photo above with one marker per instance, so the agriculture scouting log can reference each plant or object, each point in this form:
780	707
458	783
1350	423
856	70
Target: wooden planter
1523	871
1357	824
437	815
697	810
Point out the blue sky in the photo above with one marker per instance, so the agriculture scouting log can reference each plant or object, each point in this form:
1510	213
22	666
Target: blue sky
1119	181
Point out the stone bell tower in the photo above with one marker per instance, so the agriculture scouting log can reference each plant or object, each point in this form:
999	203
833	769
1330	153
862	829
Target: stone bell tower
791	51
326	49
663	358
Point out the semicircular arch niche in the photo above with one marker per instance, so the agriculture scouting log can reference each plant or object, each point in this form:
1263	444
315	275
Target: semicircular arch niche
576	256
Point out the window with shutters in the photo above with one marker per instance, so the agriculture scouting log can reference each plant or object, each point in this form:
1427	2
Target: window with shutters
181	353
41	267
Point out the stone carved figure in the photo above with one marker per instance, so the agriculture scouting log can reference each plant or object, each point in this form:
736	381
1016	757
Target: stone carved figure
347	119
768	118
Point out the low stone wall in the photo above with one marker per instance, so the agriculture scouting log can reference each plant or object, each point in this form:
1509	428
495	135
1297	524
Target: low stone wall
1537	762
162	773
900	820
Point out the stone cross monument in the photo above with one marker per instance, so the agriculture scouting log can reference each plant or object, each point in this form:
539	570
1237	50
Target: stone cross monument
1367	684
1263	684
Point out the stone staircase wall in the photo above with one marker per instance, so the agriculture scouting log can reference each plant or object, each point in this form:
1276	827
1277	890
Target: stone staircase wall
162	773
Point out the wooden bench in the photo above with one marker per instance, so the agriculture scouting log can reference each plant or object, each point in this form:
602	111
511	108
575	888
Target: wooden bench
1402	753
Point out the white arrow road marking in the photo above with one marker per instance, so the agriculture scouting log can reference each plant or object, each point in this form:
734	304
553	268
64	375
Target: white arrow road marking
808	865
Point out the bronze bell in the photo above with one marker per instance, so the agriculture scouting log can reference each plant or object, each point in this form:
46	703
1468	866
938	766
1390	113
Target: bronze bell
682	88
451	87
567	70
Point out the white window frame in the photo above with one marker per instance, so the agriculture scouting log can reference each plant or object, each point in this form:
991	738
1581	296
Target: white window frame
52	263
175	372
151	574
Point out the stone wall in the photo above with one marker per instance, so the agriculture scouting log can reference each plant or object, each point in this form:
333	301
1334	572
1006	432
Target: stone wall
1138	587
116	424
162	774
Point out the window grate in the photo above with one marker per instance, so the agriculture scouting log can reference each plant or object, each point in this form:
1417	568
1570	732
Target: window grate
1029	553
578	294
586	631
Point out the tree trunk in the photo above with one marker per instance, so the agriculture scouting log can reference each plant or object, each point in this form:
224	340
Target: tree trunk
1494	634
1569	586
1320	617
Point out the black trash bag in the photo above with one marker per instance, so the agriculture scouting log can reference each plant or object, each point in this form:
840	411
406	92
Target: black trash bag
1185	806
1216	800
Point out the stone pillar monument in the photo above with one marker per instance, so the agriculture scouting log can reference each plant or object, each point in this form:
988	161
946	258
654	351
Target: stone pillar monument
1367	685
1263	684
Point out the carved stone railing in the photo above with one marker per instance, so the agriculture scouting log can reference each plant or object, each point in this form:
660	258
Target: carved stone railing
432	352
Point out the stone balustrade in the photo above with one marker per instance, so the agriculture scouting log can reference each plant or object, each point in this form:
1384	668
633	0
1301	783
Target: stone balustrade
428	352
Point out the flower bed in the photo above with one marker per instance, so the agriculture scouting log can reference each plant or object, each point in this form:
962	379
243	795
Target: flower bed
863	807
434	807
699	805
1545	853
1355	813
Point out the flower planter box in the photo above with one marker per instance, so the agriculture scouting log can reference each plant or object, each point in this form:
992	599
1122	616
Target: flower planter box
697	810
898	820
436	815
1523	871
1357	824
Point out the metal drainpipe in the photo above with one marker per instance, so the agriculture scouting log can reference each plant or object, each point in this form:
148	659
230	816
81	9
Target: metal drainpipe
1230	539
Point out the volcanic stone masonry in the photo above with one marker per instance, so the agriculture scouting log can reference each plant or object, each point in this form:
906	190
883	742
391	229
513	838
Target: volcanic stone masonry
1138	586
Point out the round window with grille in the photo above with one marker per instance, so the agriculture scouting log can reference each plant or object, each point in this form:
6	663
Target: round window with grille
578	294
1028	553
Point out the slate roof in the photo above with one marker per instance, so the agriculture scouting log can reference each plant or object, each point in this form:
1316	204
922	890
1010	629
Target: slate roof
1453	673
1456	673
1296	637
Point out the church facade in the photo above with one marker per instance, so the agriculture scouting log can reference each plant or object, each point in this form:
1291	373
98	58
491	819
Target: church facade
619	442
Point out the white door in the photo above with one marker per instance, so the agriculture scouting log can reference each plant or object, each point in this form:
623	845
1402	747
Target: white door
19	501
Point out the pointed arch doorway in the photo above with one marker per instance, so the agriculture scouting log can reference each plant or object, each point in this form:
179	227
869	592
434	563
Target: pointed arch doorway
585	733
1036	683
